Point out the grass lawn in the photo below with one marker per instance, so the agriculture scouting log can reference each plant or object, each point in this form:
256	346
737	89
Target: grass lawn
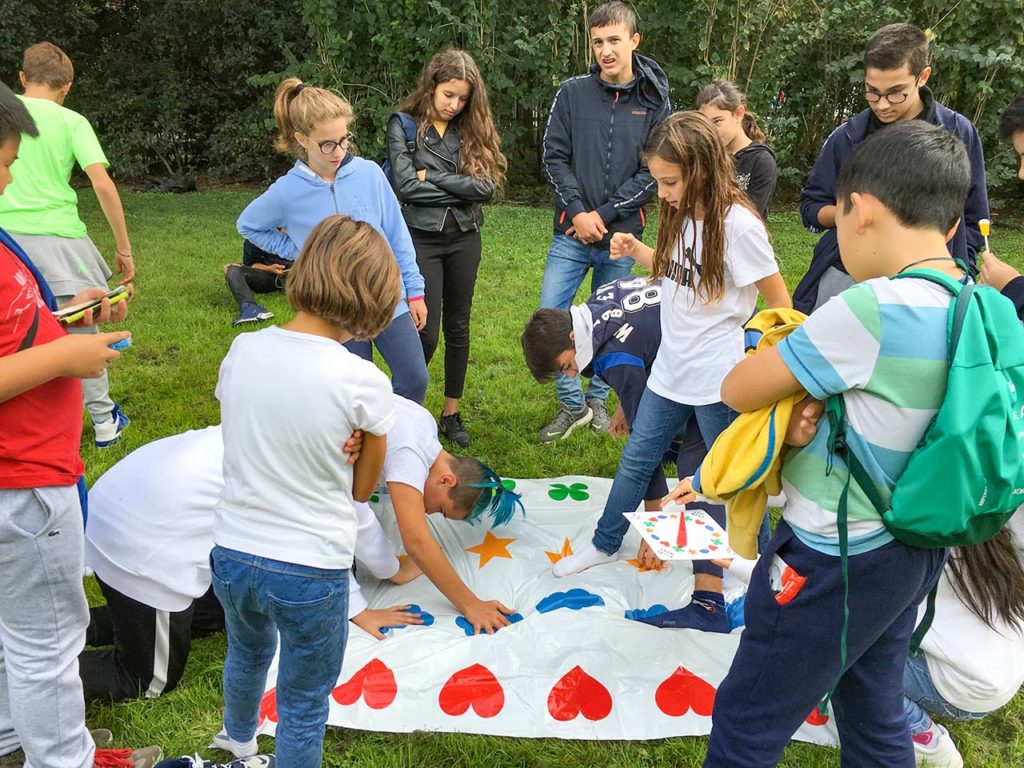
181	321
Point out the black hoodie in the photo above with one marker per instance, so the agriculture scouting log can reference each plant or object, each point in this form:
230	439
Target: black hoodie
756	174
593	146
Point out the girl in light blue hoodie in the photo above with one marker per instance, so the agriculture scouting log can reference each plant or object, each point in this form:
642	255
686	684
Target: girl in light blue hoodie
326	179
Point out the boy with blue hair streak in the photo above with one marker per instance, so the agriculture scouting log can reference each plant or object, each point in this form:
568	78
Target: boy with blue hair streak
883	345
424	479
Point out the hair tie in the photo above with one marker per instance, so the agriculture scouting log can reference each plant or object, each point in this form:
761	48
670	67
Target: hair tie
298	89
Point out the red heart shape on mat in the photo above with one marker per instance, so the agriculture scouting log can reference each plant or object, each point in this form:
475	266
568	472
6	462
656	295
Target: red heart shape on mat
816	718
268	706
683	691
578	693
475	687
375	682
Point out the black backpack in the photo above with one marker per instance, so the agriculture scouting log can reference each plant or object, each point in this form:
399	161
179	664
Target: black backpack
409	126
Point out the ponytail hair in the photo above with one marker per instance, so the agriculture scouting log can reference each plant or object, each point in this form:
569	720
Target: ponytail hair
723	94
690	141
989	579
299	107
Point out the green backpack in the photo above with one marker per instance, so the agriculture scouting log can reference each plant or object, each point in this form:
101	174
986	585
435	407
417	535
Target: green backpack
965	479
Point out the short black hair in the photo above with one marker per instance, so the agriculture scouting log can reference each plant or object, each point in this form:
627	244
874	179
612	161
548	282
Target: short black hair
918	171
895	45
614	13
545	337
1012	119
14	117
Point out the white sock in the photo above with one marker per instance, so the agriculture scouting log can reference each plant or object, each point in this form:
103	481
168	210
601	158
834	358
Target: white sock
237	748
580	561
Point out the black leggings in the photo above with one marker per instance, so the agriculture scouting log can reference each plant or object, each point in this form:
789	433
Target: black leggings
448	261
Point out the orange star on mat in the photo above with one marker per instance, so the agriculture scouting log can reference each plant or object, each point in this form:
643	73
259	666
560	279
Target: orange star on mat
635	562
565	551
491	547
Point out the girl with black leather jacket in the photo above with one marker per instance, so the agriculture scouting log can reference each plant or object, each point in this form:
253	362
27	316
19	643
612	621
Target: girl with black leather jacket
445	160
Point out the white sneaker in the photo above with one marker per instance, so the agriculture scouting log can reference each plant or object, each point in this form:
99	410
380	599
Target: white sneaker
236	748
934	748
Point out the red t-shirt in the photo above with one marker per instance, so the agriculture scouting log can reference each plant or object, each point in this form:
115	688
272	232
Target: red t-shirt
40	430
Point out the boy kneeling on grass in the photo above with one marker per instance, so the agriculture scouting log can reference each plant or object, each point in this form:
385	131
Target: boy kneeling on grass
883	344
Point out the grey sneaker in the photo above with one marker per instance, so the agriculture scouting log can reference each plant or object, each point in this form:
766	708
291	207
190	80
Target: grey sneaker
601	421
565	422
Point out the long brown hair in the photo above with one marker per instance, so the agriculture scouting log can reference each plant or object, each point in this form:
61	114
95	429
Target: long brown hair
989	579
481	155
689	140
723	94
299	107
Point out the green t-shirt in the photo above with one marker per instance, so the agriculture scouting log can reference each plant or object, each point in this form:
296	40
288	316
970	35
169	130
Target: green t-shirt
39	200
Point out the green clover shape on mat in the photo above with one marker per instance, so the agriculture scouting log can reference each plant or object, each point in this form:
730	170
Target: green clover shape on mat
576	492
510	485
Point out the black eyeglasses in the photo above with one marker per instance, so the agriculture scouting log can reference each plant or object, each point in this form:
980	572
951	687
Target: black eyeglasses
873	97
328	147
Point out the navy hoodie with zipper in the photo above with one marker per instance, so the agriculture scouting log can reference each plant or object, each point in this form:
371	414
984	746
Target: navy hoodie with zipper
593	146
820	190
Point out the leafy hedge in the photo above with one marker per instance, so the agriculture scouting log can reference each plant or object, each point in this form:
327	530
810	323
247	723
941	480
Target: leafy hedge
179	87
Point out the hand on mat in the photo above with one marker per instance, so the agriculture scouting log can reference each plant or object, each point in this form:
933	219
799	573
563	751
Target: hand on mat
722	562
354	446
372	620
622	245
587	227
407	570
487	616
618	427
646	559
994	271
85	355
681	494
418	311
803	423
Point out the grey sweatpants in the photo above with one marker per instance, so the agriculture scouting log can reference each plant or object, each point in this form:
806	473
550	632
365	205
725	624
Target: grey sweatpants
43	617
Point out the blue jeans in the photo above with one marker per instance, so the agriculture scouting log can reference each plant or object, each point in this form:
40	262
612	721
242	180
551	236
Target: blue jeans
399	344
788	657
309	608
657	421
564	272
920	697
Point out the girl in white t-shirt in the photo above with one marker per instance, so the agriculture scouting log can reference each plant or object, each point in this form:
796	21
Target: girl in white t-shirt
286	522
712	258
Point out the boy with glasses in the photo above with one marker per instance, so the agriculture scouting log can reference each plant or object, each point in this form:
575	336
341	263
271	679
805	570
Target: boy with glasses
896	73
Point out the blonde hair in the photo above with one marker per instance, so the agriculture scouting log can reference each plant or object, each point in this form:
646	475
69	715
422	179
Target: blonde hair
346	275
689	140
299	107
481	155
48	65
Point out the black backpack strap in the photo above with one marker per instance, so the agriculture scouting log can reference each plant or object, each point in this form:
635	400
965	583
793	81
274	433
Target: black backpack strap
926	621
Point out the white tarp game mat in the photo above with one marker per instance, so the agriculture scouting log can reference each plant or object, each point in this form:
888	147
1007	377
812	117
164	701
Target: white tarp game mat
573	666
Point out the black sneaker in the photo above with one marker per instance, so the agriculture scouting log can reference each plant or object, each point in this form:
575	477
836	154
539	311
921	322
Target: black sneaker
453	428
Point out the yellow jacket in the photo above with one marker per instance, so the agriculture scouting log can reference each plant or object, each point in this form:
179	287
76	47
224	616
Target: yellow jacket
744	466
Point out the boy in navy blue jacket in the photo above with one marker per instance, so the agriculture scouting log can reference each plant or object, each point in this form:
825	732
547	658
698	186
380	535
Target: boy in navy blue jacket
895	73
596	131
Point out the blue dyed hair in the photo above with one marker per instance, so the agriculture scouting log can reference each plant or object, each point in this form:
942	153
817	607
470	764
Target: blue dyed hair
480	486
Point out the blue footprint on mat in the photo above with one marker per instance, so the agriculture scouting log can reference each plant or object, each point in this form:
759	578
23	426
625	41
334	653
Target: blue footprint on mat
574	599
466	627
642	613
428	619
